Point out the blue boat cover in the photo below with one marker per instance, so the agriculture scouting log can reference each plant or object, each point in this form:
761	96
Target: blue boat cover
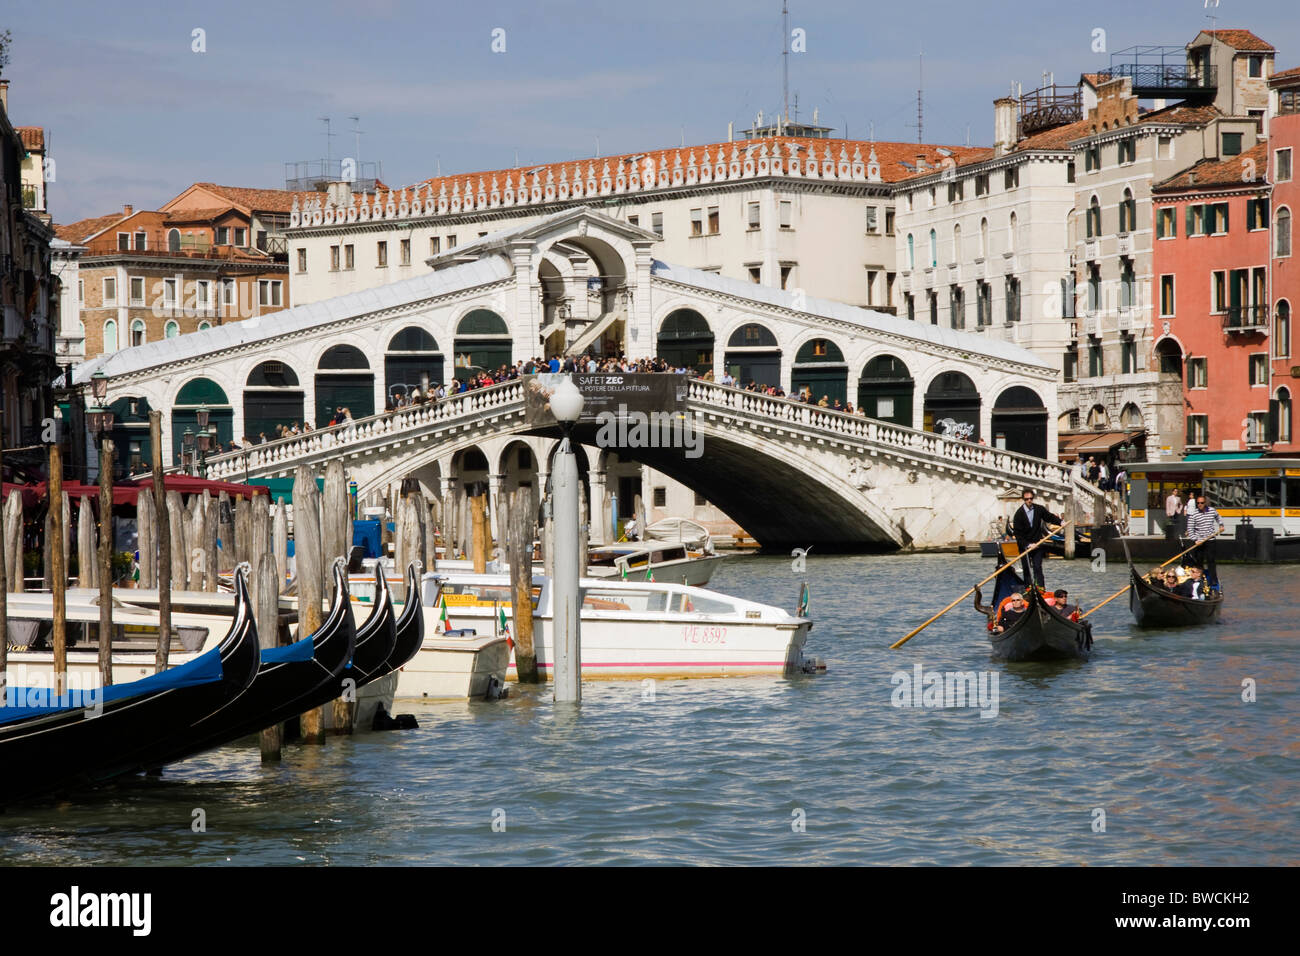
18	703
303	650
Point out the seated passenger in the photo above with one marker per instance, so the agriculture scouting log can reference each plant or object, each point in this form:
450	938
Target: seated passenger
1195	587
1011	611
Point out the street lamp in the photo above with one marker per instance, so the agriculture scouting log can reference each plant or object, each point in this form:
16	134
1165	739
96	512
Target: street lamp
566	404
99	386
187	451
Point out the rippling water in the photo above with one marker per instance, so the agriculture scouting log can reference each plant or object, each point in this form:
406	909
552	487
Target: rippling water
1152	730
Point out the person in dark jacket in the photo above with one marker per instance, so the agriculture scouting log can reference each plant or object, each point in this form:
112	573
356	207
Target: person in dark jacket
1030	525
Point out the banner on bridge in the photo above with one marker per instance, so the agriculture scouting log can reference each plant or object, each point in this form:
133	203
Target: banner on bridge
617	393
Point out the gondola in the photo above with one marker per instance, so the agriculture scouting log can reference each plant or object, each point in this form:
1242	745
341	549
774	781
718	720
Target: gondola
288	682
409	628
49	749
1042	633
376	638
1157	607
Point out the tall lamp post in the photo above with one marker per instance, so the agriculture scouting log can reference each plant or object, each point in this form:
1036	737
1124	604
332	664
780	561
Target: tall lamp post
566	631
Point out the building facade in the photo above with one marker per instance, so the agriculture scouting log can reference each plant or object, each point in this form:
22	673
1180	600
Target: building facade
1284	148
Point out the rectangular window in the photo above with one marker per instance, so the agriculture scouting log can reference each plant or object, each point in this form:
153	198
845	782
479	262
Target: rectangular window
1094	287
983	303
787	214
1092	159
634	221
169	293
137	290
381	254
1218	217
334	258
228	292
657	224
1196	372
241	236
1127	151
1165	147
1256	214
451	241
123	242
349	256
1128	353
889	289
911	307
406	252
873	220
934	308
223	235
1069	172
660	497
1257	428
1256	65
1282	165
956	307
261	239
1231	144
1218	292
697	222
982	184
1070	364
1013	299
1096	360
957	190
1127	284
871	285
263	292
1259	369
302	260
1166	224
202	295
715	222
785	276
81	290
141	241
1167	295
1198	429
756	274
889	221
435	245
700	500
753	215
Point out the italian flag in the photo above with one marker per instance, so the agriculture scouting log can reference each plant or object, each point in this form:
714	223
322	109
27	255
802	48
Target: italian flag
650	575
505	628
444	617
625	572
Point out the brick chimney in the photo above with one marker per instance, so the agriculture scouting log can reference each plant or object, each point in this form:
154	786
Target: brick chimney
920	161
127	210
1004	125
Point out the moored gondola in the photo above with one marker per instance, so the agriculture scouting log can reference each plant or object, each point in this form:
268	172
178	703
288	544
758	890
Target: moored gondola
1041	633
409	627
48	749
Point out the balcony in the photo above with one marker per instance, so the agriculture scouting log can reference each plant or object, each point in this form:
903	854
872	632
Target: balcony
1092	324
1246	318
1126	318
1162	72
1124	245
1049	107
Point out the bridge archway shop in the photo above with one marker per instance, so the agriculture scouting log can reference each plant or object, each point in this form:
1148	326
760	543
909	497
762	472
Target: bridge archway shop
952	396
272	396
413	359
483	342
753	355
819	366
344	380
1019	422
196	393
885	390
686	341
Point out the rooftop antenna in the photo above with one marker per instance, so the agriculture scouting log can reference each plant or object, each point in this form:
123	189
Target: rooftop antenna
1214	20
920	89
328	136
356	133
785	66
597	148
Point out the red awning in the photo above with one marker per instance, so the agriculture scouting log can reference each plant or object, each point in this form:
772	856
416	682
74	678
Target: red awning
128	492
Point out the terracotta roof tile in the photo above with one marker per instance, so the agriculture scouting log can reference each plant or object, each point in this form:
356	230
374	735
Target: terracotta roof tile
259	200
1183	115
1286	77
196	215
1059	137
891	157
33	137
1241	40
1211	173
83	229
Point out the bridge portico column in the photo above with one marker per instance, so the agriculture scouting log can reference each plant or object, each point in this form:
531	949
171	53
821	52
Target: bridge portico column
495	512
524	324
640	339
596	512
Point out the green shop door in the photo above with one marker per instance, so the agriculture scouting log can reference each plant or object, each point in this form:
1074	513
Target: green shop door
355	392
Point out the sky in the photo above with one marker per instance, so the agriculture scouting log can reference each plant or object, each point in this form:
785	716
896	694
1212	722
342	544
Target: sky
137	105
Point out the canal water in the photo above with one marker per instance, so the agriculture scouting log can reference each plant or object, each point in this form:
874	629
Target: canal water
1145	755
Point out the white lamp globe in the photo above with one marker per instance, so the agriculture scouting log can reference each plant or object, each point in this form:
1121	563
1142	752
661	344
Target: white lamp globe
566	403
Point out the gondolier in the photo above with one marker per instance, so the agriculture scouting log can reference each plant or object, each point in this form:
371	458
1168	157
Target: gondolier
1030	524
1203	522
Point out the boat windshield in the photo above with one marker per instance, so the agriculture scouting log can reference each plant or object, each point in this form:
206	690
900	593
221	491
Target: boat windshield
482	595
627	599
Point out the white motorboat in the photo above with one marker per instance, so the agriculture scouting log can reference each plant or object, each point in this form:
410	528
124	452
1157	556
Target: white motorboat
658	561
642	629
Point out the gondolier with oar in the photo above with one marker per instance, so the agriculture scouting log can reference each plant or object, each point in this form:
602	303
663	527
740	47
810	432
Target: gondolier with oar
1202	522
1030	523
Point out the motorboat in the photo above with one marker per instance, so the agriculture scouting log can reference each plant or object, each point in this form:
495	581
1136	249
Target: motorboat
658	561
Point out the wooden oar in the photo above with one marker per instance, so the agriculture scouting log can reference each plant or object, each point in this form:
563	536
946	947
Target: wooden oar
1126	587
911	634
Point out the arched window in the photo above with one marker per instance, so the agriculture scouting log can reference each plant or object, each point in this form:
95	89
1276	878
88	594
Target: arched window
110	336
911	252
1282	240
1130	416
956	243
1011	233
1094	218
204	326
934	249
984	238
173	240
1098	417
1127	212
137	332
171	329
1282	330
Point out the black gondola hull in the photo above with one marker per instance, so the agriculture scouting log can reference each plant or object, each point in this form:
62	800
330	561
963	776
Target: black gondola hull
1155	607
1042	633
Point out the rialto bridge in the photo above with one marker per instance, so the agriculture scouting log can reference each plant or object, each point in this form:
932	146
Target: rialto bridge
788	473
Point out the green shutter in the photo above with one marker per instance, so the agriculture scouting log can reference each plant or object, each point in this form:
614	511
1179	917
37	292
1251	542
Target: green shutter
1226	210
1191	221
1250	213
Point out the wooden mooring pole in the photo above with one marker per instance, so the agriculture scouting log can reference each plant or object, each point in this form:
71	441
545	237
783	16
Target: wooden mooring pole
335	544
58	570
164	556
521	522
106	562
307	556
266	605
